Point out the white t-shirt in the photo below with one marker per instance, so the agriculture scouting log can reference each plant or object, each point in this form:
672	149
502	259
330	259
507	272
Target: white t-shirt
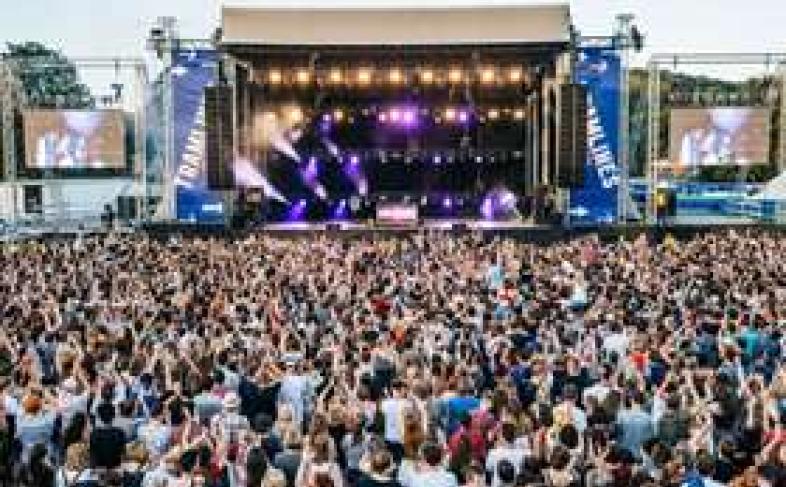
393	410
512	454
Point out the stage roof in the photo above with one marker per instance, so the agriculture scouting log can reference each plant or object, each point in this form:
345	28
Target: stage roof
532	24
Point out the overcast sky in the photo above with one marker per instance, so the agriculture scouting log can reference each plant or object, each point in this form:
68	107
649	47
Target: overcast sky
118	27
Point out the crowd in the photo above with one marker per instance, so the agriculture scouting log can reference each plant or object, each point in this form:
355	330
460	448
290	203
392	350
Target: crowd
423	361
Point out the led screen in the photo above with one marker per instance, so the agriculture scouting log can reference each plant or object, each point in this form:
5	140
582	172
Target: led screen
74	139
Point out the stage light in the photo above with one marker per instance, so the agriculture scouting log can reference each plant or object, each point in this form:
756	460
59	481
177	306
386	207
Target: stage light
519	114
354	159
479	159
395	115
463	116
335	76
515	75
427	77
493	114
295	115
338	115
450	114
303	77
409	117
487	209
455	76
364	77
447	203
302	203
269	115
395	76
437	159
382	117
275	77
488	76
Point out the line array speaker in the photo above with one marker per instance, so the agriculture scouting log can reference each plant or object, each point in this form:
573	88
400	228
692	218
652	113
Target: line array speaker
218	137
572	136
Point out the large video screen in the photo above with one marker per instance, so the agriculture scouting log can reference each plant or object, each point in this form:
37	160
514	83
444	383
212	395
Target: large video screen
719	136
74	139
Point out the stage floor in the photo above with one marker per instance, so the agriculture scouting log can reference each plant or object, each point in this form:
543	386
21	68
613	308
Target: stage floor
442	224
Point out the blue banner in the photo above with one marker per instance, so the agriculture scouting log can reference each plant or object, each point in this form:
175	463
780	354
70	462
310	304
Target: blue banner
193	71
599	70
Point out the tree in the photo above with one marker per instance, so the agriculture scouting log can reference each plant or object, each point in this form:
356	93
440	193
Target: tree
49	79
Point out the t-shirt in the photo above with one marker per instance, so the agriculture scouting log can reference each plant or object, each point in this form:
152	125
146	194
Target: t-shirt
106	447
512	454
393	411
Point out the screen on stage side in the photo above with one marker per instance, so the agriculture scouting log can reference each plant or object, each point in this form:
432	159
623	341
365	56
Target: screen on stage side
719	136
74	139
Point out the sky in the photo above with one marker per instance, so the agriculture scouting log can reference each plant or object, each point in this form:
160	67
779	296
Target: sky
119	27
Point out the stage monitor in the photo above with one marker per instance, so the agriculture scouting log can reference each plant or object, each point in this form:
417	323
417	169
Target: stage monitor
719	136
74	139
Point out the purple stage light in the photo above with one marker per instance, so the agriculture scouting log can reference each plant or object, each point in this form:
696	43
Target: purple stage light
409	117
487	209
463	116
302	203
437	159
311	171
447	203
354	159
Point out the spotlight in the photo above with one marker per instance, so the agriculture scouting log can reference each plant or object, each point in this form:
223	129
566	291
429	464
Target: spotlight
493	114
450	114
437	159
364	77
338	115
427	77
302	203
303	77
488	76
295	115
515	75
354	159
382	117
396	77
519	114
409	117
446	203
335	76
395	115
479	159
455	76
463	116
274	77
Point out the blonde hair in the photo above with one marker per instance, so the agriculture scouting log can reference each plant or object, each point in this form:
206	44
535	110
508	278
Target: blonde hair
76	457
274	478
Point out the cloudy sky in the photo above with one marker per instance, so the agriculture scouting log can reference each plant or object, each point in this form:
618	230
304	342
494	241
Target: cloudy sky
118	27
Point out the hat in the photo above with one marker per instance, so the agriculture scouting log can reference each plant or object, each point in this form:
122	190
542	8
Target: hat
231	401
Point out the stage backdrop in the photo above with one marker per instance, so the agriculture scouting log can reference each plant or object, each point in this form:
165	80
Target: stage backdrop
192	72
599	70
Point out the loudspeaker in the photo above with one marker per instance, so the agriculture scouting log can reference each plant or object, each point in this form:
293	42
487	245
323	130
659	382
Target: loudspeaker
33	197
572	136
218	137
126	207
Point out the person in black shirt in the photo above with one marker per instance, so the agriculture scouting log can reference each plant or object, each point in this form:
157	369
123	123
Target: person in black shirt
107	442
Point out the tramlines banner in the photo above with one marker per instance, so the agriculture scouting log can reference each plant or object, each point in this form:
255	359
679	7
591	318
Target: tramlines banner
599	70
193	71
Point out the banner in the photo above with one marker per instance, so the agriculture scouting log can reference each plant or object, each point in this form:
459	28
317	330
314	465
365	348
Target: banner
193	71
599	70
